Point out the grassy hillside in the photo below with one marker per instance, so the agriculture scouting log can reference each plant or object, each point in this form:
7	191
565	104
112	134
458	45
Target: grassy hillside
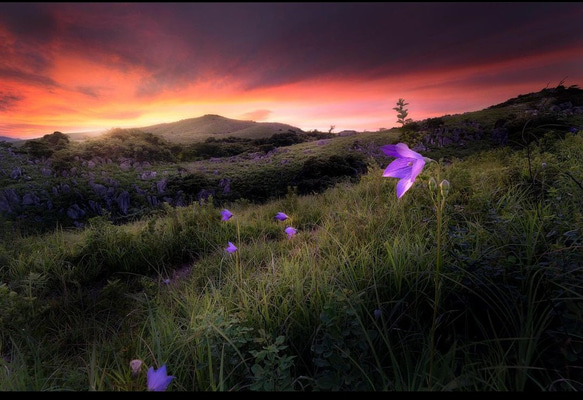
475	289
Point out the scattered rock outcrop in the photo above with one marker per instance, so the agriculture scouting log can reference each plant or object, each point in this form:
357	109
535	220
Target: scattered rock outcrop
34	190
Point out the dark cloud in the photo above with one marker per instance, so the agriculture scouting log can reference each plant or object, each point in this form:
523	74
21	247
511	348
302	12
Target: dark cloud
292	42
25	76
116	35
268	44
30	29
8	100
90	91
30	22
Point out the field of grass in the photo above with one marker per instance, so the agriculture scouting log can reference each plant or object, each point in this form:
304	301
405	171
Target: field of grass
475	289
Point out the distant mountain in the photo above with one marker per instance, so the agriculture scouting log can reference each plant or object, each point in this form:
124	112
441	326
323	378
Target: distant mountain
9	139
210	125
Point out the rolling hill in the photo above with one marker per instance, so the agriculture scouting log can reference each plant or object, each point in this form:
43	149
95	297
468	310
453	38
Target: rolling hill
210	125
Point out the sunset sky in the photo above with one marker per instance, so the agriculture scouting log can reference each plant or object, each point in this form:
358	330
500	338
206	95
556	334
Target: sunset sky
75	67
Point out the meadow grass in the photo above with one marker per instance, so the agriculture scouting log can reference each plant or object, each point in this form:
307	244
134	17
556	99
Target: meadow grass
347	304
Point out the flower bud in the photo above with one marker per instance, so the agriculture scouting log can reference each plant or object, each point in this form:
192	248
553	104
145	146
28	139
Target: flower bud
136	366
444	186
432	184
377	313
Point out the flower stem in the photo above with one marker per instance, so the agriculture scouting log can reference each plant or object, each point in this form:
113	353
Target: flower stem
439	201
237	257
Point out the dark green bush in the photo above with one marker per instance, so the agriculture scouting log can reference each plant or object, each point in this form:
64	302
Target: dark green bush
318	174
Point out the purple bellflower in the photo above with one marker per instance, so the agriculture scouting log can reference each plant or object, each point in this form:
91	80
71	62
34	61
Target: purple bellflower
290	232
377	313
231	248
226	215
281	216
407	165
158	380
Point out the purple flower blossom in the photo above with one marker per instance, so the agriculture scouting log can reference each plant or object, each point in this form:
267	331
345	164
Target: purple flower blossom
158	380
231	248
290	232
377	313
226	215
281	216
407	165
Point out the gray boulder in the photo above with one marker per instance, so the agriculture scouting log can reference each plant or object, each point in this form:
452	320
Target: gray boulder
123	202
75	212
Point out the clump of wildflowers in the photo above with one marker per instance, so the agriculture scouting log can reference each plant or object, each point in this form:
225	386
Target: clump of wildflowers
407	165
158	380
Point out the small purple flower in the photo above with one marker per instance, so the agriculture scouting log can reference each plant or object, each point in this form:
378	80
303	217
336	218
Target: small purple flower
167	281
231	248
573	130
290	232
226	215
158	380
281	216
377	313
407	165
